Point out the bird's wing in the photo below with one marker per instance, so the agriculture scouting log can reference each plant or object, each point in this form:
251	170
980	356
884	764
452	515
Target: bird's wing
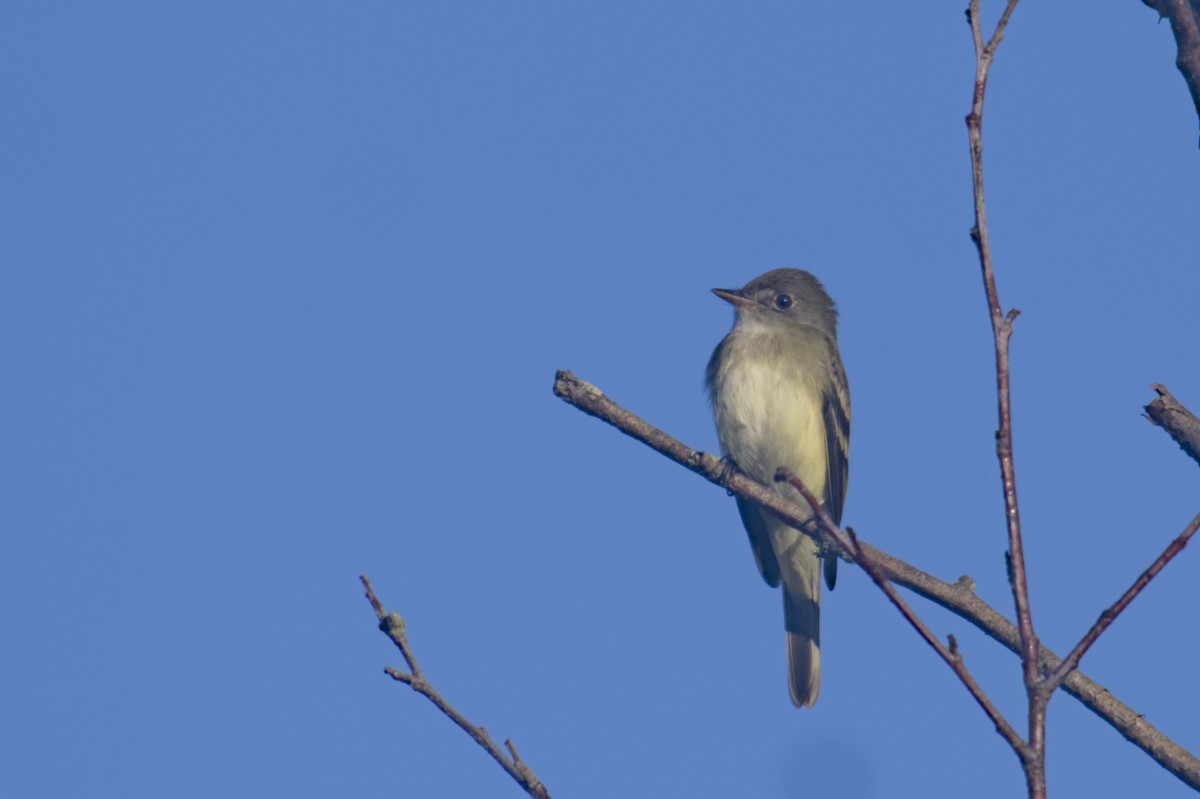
760	541
835	410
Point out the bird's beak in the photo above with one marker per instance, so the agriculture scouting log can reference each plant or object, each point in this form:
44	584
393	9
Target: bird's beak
734	297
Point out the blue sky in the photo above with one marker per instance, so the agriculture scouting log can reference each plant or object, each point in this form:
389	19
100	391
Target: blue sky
283	297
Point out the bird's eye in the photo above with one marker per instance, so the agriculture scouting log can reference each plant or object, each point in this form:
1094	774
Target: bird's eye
783	302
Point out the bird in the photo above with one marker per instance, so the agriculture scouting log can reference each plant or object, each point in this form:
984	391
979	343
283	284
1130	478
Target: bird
780	397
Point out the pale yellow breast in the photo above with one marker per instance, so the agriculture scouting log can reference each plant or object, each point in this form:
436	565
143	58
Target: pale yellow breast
769	415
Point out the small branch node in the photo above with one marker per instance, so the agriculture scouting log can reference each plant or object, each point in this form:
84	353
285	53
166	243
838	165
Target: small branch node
392	624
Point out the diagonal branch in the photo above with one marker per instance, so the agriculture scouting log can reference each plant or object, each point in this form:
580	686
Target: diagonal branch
952	657
1055	677
393	626
958	597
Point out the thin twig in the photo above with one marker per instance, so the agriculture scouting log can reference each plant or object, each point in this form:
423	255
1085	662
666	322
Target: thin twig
1182	425
847	545
1002	328
958	597
952	656
1055	677
393	626
1001	332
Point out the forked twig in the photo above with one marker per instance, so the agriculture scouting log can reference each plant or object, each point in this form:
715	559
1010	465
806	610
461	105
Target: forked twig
1034	759
951	655
957	597
393	626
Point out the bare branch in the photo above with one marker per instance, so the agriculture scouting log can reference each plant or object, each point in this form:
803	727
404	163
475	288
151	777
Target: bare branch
1169	414
393	626
1185	24
1002	328
1001	333
847	545
951	656
959	597
1056	676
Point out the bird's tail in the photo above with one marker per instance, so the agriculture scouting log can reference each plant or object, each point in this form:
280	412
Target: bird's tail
802	622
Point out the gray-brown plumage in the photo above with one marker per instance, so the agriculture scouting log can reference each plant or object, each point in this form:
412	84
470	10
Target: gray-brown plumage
780	398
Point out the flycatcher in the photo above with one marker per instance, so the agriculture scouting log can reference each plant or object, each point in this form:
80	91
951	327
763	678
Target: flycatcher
780	398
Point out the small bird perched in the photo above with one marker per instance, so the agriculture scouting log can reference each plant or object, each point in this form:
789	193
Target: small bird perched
779	398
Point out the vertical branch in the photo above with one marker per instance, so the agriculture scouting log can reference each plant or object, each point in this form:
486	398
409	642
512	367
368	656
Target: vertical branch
1034	757
1001	331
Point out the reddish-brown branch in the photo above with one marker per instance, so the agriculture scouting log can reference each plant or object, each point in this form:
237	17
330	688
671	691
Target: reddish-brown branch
393	626
1071	662
1001	332
958	597
849	542
846	545
952	656
1002	327
1182	425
